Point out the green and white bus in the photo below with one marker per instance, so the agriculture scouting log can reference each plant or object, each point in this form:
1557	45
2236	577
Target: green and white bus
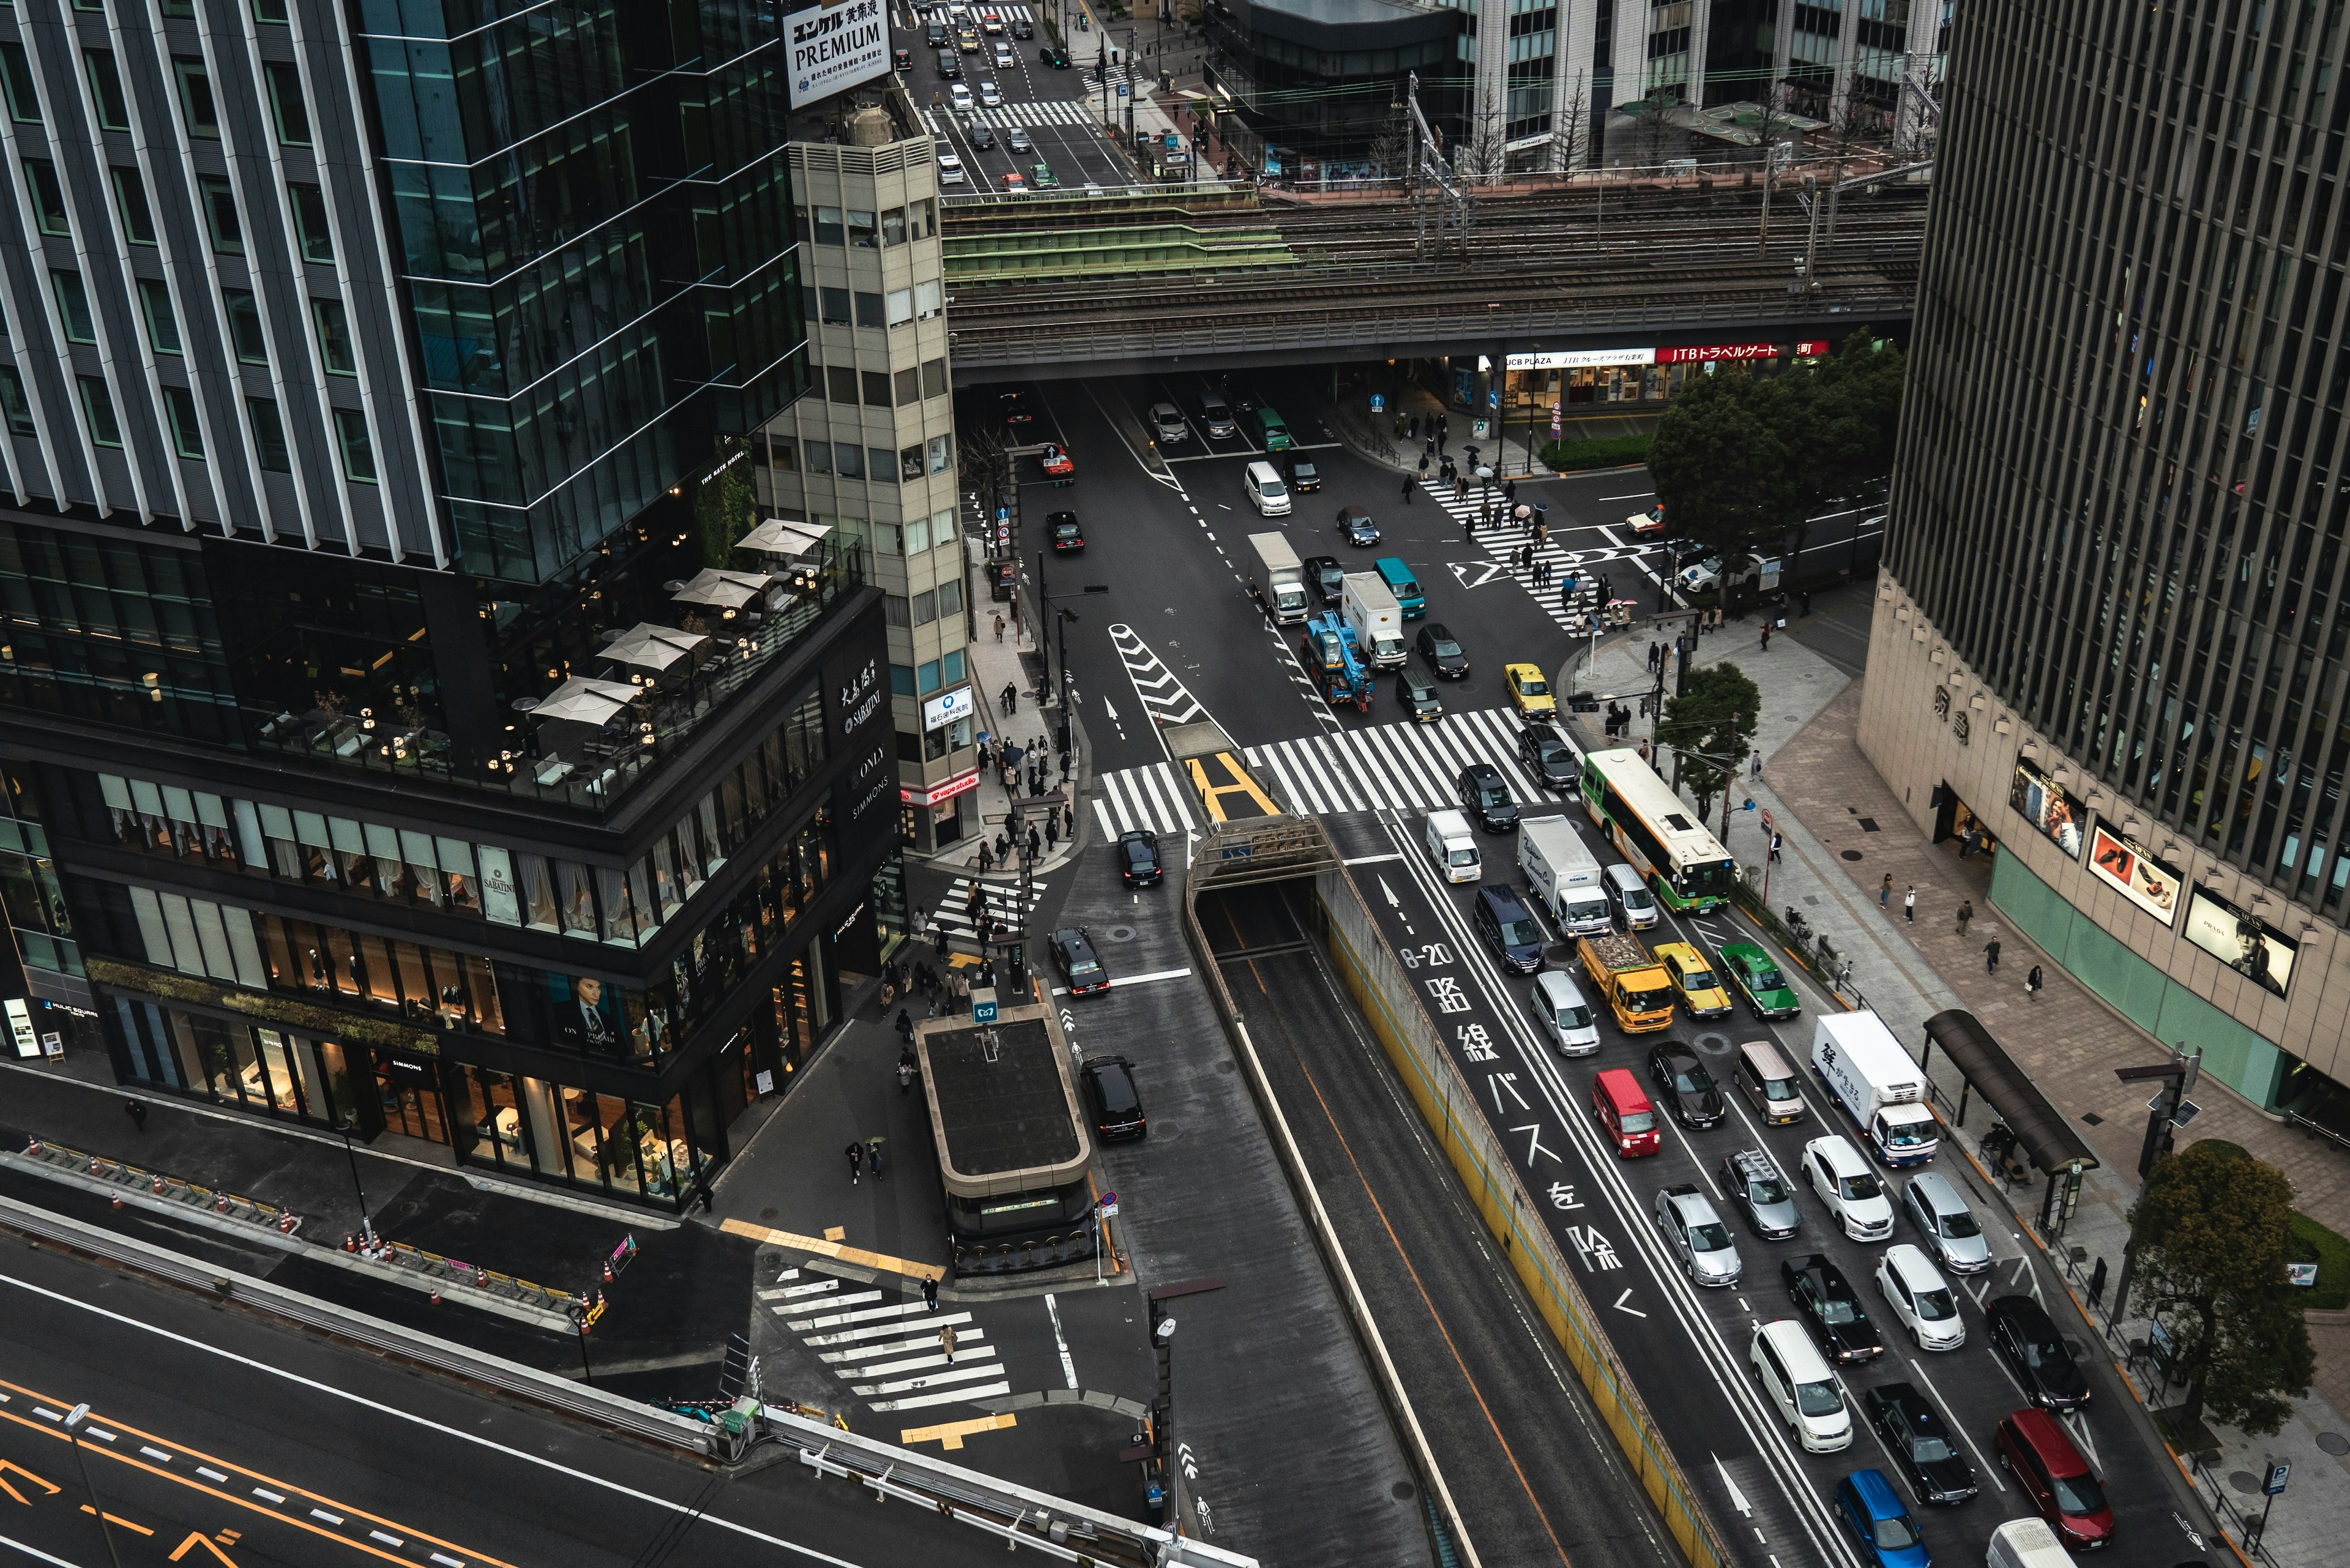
1685	866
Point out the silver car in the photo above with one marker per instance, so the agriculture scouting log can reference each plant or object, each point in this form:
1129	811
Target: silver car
1753	1180
1942	1217
1168	423
1566	1016
1697	1236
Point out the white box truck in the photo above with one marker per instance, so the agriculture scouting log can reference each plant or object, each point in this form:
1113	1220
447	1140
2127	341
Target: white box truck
1376	619
1880	1088
1278	578
1564	873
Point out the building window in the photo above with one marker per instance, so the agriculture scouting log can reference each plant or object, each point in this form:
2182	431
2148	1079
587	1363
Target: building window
820	458
779	454
73	306
16	71
951	665
861	231
868	309
901	307
922	218
131	199
98	407
285	102
849	461
835	306
333	336
929	298
876	389
184	9
106	88
930	682
878	464
220	214
48	196
358	451
268	435
894	610
187	430
893	226
196	104
163	322
828	226
909	386
934	378
311	224
951	598
13	405
244	327
909	464
840	384
918	535
902	679
263	10
942	453
926	609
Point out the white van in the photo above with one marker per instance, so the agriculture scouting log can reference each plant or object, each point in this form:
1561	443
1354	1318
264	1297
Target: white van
1801	1386
1452	844
1267	491
1629	896
1563	875
1566	1016
2027	1543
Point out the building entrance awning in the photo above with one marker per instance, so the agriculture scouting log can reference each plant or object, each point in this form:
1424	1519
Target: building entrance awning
2041	1131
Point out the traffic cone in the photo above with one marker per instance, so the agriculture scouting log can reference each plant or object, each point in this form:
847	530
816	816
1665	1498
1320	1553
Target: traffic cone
608	1270
436	1295
118	1200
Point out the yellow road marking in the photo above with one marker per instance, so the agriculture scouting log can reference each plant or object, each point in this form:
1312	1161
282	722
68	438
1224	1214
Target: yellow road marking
949	1434
836	1233
1212	795
198	1538
47	1486
828	1247
117	1518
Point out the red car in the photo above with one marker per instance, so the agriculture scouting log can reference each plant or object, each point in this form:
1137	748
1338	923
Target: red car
2063	1489
1624	1113
1056	462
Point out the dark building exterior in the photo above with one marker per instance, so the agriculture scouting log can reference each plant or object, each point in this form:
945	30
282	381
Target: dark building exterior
2113	633
1312	84
387	741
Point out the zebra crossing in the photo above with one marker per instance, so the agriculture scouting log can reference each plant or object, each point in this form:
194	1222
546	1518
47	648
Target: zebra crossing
1002	899
1502	541
1018	116
890	1353
1154	796
1407	766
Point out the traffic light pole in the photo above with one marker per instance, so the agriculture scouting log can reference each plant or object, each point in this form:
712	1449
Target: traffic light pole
2178	1075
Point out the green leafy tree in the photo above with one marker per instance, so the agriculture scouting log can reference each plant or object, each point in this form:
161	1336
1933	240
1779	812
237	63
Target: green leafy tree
725	505
2214	1234
1709	726
1721	467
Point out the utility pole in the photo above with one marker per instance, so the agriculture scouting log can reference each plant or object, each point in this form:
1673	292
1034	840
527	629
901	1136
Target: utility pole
2178	1075
1129	92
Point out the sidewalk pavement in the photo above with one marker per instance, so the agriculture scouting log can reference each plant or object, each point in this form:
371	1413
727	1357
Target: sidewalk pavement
1842	830
994	666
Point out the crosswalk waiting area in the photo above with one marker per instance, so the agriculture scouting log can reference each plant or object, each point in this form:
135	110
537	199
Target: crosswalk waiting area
1407	766
891	1354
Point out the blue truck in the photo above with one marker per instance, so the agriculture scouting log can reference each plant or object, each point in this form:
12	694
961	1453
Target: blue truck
1339	669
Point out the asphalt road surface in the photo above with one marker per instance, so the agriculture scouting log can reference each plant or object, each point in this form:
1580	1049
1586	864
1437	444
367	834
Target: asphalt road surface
1059	110
217	1438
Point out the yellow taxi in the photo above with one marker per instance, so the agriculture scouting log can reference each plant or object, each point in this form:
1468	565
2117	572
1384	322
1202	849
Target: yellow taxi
1530	691
1701	989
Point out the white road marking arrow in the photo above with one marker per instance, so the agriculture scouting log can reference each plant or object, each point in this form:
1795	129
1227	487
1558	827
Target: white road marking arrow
1737	1499
1627	1296
1107	711
1393	903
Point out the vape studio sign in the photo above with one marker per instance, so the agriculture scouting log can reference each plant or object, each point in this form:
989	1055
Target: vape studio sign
836	48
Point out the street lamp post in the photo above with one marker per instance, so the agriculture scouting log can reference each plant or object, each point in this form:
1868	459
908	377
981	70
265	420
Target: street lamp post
76	1419
367	1225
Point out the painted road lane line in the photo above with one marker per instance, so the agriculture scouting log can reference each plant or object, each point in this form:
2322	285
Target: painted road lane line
330	1517
963	1397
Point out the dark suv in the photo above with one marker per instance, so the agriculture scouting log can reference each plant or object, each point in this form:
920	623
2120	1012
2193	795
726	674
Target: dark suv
2024	1336
1508	926
1486	798
1111	1096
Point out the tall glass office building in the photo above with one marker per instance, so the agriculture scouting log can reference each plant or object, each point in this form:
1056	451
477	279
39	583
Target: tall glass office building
2112	632
391	735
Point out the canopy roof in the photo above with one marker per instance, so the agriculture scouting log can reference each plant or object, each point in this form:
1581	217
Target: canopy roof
583	701
723	590
2040	1128
783	536
646	645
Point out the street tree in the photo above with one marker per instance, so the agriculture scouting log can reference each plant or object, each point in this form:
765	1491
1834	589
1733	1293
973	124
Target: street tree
2214	1235
1720	465
1710	727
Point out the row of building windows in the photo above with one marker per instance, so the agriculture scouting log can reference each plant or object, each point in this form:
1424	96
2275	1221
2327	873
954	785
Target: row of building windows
848	460
832	307
354	444
865	230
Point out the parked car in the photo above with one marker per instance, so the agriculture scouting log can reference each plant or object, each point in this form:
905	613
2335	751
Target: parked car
1830	1309
1327	575
2023	1336
2056	1479
1502	917
1137	858
1921	1299
1952	1233
1851	1192
1685	1085
1355	528
1922	1445
1485	798
1753	1180
1072	952
1870	1509
1551	760
1110	1094
1443	652
1698	1237
1758	981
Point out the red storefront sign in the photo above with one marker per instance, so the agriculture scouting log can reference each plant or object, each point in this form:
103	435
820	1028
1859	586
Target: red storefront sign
938	795
1705	352
1813	349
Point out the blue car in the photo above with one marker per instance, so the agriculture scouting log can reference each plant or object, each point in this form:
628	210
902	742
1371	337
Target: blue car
1872	1511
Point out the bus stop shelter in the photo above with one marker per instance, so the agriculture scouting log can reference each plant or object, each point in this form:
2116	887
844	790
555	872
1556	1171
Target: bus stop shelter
2031	1133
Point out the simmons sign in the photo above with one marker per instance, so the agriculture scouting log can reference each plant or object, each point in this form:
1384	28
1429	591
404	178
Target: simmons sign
835	48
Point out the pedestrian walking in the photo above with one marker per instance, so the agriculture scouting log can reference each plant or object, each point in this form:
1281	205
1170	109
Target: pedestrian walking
1805	600
1068	819
1510	491
1406	490
1754	766
137	1109
1035	839
1909	906
1606	589
855	1153
1052	831
905	1026
930	1293
1411	427
1966	913
1885	892
1423	468
1644	754
2031	982
1460	488
873	1157
1766	636
1011	698
986	862
1990	956
921	922
1774	848
946	1341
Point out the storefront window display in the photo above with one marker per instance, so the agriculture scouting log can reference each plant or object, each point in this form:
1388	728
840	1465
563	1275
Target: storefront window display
626	1148
265	1071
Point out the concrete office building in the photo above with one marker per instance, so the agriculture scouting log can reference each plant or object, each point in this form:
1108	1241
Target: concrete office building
870	452
2112	632
385	744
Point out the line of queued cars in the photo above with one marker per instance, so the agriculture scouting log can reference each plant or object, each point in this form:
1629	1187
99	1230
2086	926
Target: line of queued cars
1112	1097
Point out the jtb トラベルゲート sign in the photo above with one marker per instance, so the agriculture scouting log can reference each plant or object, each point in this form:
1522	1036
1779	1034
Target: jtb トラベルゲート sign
835	48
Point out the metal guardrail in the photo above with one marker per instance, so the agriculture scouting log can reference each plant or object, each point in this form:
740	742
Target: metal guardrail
2316	1130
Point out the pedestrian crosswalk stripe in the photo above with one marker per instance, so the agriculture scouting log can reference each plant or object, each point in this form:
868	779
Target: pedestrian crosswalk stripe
1151	796
880	1347
894	1358
1002	899
1504	540
961	1373
852	1337
1407	766
961	1397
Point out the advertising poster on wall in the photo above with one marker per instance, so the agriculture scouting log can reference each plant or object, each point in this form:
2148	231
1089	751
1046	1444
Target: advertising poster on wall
2240	941
2137	875
835	48
2044	804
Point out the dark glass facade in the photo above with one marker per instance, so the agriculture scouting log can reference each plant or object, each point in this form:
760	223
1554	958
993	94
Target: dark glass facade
1318	80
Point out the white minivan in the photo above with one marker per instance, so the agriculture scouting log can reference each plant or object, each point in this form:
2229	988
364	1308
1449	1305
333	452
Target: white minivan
1566	1016
1801	1387
1634	904
2027	1543
1267	491
1452	844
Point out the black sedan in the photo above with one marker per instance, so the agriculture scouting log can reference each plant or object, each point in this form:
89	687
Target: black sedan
1328	575
1137	858
1548	758
1356	526
1073	952
1921	1443
1066	535
2024	1336
1111	1096
1058	58
1685	1085
1486	797
1831	1309
1016	411
1443	654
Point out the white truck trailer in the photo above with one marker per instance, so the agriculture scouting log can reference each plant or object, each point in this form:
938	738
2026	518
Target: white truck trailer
1878	1085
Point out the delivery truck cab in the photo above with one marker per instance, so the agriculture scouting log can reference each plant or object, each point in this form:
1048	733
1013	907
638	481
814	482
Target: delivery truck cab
1876	1083
1563	875
1453	846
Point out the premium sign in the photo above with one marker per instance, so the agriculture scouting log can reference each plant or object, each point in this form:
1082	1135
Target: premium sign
1706	352
2240	941
2137	875
835	48
1580	358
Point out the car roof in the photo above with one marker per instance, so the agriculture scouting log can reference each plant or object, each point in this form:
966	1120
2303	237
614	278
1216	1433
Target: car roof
1752	1163
1875	1494
1555	981
1746	951
1481	771
1914	1412
1678	949
2027	1312
1503	897
1908	1258
1670	1048
1837	1153
1094	1064
1532	670
1818	1266
2039	1429
1936	1188
1694	1205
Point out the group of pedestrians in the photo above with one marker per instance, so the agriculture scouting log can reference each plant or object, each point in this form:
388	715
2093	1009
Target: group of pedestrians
2033	982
